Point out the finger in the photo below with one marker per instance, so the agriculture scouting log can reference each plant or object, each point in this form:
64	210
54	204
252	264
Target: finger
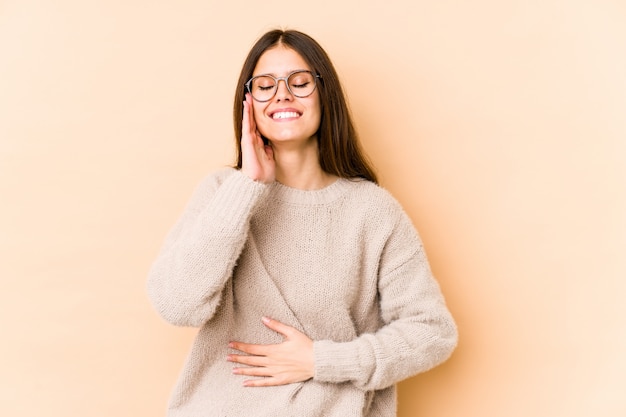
250	113
258	361
258	350
279	327
263	382
245	121
258	371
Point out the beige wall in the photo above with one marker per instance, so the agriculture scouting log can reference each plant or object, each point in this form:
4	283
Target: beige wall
499	125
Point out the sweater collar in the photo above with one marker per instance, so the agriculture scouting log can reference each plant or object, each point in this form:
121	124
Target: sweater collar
324	195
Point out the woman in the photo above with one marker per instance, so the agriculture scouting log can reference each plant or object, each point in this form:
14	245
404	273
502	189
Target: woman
308	281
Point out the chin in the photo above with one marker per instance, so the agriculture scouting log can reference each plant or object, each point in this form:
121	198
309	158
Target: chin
289	135
284	137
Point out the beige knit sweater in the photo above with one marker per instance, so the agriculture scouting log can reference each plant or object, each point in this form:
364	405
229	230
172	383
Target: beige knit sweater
343	265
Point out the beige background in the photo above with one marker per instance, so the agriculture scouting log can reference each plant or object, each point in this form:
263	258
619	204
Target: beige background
498	124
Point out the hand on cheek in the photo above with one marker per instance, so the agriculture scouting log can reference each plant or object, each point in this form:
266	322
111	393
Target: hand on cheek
257	159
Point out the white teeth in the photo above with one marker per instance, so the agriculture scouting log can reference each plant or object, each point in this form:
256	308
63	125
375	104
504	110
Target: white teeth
284	115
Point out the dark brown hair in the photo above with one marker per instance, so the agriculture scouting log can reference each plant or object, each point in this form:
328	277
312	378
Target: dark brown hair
339	150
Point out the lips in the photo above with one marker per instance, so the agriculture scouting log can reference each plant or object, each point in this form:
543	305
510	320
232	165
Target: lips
285	114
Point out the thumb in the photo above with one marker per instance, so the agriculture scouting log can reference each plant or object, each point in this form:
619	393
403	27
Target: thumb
278	327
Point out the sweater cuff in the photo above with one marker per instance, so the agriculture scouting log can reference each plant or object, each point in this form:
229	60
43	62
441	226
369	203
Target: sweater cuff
341	361
237	195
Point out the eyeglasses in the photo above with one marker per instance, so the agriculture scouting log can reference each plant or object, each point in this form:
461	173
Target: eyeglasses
299	83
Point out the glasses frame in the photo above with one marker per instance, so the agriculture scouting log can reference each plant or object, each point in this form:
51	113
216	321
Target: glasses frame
248	84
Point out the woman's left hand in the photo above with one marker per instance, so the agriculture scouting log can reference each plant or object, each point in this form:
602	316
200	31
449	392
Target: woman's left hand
285	363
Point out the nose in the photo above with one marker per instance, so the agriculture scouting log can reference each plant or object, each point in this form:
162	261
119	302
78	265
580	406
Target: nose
282	91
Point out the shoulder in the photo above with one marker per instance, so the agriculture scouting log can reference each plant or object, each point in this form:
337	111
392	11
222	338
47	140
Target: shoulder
375	209
373	197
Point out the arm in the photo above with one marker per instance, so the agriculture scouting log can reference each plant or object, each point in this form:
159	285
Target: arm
418	333
198	256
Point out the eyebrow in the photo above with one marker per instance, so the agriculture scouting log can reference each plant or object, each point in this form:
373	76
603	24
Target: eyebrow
288	74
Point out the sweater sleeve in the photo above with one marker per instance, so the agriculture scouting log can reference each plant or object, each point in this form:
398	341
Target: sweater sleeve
418	331
198	256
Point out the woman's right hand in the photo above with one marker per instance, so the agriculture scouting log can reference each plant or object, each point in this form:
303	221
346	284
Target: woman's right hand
257	158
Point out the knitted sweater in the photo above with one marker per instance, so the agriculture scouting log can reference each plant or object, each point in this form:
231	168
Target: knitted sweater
342	264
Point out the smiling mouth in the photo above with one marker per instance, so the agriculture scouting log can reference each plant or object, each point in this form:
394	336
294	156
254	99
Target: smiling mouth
285	115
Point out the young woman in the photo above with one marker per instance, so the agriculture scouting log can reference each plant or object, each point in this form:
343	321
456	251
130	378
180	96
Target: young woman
307	280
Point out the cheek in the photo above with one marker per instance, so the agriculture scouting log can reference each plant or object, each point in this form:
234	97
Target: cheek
318	105
257	110
318	117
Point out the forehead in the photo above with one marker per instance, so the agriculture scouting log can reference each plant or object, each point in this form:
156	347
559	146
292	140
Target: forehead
280	61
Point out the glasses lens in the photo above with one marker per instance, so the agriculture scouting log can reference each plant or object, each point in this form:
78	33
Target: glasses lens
262	88
301	83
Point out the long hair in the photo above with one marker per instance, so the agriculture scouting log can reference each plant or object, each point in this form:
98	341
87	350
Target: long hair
339	150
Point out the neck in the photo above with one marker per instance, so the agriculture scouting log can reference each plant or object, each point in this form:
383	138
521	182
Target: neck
299	167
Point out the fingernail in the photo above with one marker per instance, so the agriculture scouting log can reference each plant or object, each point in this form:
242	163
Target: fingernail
266	319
